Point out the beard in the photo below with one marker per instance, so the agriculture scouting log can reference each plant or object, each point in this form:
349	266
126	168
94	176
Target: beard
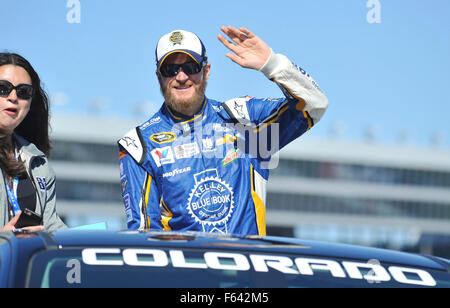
188	106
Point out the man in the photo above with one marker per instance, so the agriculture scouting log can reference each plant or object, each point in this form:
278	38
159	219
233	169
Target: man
199	164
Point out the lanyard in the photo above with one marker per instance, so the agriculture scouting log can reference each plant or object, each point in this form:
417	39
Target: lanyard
12	195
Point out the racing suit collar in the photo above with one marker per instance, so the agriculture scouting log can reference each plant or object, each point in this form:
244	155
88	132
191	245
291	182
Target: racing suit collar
180	118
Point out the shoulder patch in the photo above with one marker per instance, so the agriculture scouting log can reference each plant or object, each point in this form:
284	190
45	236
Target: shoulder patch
237	110
133	144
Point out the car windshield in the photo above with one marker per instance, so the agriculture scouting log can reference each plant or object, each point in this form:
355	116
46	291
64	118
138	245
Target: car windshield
136	267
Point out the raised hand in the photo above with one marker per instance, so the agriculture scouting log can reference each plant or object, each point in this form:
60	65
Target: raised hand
249	51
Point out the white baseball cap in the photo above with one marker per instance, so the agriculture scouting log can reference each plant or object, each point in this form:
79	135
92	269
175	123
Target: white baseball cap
180	41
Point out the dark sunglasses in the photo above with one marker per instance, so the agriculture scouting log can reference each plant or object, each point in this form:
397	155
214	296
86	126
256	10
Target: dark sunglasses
24	91
170	70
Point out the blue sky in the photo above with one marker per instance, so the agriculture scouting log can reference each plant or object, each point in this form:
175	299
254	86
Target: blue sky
391	76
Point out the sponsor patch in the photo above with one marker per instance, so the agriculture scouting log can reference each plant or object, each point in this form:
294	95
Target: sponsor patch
124	184
237	108
176	172
42	183
227	139
211	202
128	211
163	156
176	38
150	123
186	150
217	108
130	141
164	137
208	144
122	154
122	171
231	156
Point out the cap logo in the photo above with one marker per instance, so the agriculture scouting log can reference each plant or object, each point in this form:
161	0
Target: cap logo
176	38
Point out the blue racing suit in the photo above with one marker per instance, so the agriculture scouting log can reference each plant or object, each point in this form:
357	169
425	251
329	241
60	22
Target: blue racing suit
209	172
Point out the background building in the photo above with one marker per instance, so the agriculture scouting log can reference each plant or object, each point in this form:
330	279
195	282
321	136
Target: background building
378	195
394	196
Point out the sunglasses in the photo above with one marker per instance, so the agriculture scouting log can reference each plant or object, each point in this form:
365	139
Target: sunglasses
24	91
171	70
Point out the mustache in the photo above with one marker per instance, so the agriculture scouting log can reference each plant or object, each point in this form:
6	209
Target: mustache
176	84
182	105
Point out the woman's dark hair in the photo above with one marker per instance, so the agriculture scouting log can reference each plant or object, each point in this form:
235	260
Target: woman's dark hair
35	126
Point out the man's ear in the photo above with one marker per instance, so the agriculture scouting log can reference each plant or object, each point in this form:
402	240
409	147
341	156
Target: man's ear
207	70
158	75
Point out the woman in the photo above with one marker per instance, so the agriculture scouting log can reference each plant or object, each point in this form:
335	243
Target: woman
28	183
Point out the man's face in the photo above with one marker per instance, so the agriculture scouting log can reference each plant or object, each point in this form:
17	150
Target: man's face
184	93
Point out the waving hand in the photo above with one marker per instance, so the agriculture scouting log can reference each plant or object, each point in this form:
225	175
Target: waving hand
249	51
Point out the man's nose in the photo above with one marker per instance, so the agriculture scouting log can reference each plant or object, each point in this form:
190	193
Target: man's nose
182	76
